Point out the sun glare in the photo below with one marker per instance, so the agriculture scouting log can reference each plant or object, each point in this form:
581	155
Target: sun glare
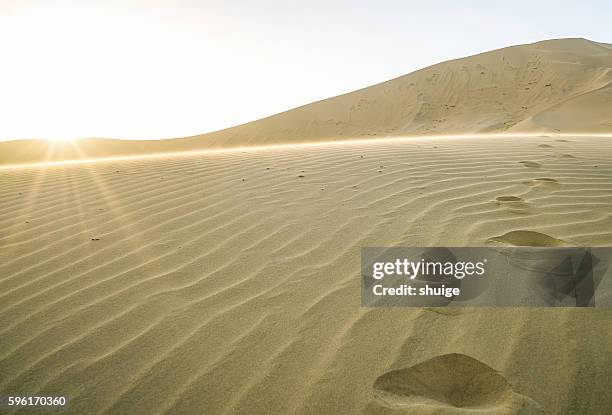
106	74
59	139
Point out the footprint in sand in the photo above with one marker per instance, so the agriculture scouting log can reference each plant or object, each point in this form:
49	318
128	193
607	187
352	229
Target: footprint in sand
509	199
514	204
527	238
541	181
447	385
531	164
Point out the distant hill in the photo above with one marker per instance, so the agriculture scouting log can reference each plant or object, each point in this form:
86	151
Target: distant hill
562	86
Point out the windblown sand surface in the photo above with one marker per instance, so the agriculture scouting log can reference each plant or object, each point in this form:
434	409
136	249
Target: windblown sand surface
228	282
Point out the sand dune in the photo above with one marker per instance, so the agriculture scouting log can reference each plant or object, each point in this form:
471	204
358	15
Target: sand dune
555	86
228	282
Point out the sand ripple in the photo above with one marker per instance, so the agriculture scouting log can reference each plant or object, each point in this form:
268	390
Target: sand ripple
172	285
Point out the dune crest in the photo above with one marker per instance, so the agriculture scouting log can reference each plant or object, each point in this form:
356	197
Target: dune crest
554	86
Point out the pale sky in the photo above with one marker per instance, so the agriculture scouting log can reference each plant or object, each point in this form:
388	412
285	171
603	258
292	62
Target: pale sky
159	69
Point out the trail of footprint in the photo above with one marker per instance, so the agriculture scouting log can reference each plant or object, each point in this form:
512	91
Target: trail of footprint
447	385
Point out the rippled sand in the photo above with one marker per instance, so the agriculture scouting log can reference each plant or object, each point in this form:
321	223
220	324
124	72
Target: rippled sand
228	282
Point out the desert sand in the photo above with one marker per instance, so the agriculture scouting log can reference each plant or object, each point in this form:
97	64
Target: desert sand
228	282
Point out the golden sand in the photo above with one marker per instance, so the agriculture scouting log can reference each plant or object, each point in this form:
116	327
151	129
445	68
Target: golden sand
228	282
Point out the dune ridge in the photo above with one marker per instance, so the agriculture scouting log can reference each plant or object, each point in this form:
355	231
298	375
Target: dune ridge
228	283
561	86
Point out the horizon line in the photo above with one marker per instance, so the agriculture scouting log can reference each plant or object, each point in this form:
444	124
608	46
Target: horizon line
327	143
